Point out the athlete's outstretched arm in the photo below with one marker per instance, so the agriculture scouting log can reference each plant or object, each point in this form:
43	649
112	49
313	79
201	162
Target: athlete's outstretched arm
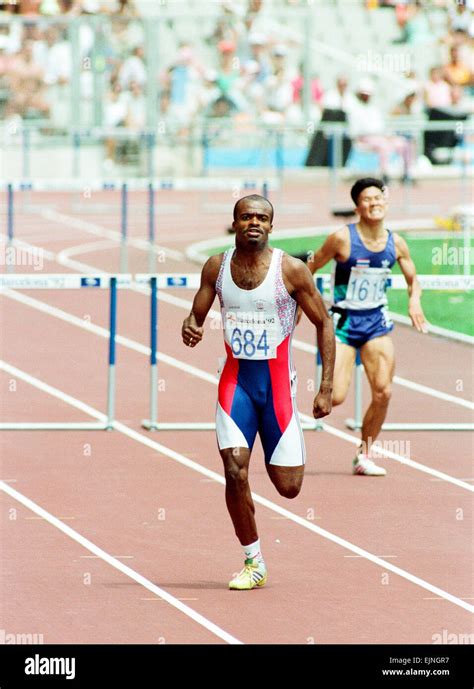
414	290
192	330
329	250
309	299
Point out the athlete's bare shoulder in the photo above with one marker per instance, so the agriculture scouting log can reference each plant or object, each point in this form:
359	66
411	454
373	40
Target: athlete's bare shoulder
210	270
401	247
341	236
294	270
290	263
340	242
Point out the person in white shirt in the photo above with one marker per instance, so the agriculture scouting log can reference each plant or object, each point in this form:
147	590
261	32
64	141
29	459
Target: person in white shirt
367	129
340	97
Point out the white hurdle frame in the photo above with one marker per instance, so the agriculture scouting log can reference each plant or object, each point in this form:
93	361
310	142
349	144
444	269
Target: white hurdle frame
427	282
192	281
72	281
158	281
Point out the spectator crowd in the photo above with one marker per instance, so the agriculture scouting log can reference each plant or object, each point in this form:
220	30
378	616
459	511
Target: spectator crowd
248	66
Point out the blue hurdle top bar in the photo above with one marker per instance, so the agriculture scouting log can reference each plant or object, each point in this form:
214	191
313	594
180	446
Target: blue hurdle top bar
192	281
61	281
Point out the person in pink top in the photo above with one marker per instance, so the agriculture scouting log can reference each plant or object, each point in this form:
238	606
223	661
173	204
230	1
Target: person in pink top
437	90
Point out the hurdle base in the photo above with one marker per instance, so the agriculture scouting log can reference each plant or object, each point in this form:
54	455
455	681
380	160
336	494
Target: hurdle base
350	423
204	426
309	426
428	427
353	425
178	426
52	426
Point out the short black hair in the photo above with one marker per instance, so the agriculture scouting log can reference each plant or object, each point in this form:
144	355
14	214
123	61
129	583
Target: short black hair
254	197
361	184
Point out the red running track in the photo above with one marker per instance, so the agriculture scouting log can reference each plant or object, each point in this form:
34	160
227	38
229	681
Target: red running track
158	507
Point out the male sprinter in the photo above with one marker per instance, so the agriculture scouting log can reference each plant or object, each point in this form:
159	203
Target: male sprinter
364	253
259	289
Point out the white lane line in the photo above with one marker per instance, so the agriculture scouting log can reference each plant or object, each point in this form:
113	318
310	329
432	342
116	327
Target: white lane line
392	455
160	600
100	231
418	387
41	518
435	329
203	375
113	562
438	598
269	504
381	556
64	259
425	389
311	349
103	332
96	557
461	478
88	247
30	248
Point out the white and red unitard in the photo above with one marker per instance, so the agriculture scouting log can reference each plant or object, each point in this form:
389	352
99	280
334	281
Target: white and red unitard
257	386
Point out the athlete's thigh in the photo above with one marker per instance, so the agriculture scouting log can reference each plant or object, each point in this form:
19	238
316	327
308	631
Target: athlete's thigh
345	358
236	415
378	357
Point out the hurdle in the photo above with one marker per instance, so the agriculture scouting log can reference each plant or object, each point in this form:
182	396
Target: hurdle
73	281
427	282
190	281
239	188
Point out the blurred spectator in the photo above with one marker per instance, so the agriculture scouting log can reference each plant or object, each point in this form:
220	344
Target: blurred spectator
136	108
182	80
250	89
257	44
133	69
26	84
315	88
337	104
116	106
11	37
208	91
278	94
461	17
410	105
456	72
339	97
30	6
437	91
221	107
439	102
227	72
121	8
414	23
461	103
55	56
229	26
367	129
115	114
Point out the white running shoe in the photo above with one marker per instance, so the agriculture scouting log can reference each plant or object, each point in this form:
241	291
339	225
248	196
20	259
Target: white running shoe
253	574
364	466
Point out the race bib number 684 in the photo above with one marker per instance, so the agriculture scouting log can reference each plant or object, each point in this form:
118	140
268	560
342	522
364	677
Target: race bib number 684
252	340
